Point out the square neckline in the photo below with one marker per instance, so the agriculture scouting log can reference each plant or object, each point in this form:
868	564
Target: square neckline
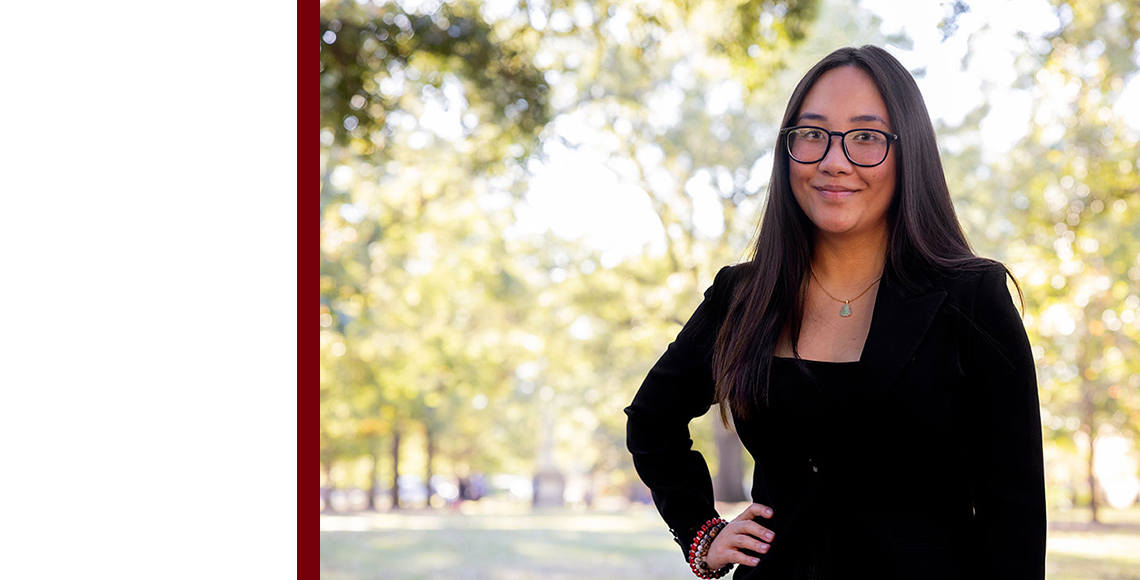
817	362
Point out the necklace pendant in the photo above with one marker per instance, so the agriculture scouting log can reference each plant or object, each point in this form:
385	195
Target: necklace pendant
846	310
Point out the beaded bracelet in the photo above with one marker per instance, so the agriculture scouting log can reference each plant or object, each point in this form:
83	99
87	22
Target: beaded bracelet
700	548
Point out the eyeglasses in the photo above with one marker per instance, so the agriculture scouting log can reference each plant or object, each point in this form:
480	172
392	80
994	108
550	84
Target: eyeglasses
863	147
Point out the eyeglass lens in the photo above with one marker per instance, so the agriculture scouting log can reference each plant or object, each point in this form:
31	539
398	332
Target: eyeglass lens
863	146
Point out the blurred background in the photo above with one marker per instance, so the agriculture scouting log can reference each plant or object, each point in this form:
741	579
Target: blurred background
522	201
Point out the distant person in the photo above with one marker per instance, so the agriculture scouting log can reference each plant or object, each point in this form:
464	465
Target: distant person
876	369
478	486
463	493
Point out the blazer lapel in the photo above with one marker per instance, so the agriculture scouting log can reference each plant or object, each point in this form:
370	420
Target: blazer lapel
898	324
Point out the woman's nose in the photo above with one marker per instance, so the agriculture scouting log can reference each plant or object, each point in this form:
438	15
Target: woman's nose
835	161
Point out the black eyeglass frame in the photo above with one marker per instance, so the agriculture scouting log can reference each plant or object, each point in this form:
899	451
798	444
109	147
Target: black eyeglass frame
890	137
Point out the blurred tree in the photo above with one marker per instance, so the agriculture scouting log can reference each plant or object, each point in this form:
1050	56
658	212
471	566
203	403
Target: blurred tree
418	112
1084	192
1061	209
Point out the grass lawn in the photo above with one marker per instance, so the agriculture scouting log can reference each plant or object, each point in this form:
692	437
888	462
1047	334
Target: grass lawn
502	542
1080	551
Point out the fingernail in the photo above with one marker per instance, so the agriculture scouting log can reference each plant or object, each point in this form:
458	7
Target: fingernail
767	511
763	548
768	536
755	561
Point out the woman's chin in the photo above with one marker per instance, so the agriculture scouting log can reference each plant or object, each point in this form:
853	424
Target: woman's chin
836	227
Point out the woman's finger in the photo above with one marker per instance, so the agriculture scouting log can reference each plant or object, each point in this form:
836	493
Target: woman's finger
755	510
728	551
741	541
751	528
737	557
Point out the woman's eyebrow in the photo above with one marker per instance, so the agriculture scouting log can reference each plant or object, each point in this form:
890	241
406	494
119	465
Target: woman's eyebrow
868	118
860	118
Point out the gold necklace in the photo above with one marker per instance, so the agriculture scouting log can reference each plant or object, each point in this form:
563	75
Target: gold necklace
846	310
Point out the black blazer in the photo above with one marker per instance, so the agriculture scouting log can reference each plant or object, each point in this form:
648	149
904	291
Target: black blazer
937	473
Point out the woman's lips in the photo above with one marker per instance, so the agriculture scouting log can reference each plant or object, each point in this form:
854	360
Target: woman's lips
834	193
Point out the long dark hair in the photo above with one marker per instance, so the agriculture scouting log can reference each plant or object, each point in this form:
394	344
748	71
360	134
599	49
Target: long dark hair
924	234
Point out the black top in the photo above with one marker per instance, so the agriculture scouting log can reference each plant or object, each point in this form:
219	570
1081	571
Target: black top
807	399
921	460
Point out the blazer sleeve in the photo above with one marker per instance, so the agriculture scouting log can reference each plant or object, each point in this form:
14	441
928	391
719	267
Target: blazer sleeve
1007	466
678	389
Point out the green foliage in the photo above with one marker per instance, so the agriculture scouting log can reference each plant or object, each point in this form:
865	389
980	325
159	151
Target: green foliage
378	59
400	228
436	319
775	28
1061	210
1076	171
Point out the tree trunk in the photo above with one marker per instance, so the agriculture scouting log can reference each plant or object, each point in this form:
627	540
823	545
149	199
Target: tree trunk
430	444
395	469
1088	419
1092	475
374	483
728	484
327	488
1088	388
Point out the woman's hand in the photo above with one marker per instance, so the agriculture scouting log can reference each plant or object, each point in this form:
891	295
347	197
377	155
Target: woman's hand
741	533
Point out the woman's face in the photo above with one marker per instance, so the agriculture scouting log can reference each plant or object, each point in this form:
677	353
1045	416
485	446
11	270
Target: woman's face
838	196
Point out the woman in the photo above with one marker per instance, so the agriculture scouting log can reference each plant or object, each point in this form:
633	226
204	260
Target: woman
876	369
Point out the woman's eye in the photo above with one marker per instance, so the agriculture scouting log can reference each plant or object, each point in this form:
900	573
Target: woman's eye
812	134
867	137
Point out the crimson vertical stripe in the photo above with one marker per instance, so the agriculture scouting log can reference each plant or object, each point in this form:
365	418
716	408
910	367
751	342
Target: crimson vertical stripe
308	259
